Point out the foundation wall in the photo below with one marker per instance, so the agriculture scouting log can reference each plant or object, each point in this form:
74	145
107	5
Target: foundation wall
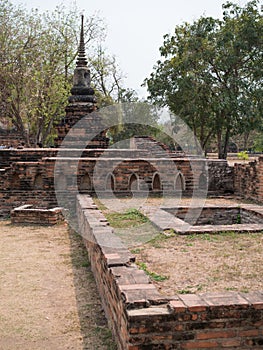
142	319
249	180
26	214
27	176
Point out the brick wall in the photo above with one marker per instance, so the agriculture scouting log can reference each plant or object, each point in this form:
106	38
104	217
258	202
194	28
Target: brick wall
27	175
142	319
249	180
10	138
26	214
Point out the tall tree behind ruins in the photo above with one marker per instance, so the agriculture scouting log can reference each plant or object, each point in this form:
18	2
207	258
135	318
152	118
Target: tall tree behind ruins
210	74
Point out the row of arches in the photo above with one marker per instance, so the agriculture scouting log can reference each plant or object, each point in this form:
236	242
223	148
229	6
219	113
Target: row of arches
156	183
85	182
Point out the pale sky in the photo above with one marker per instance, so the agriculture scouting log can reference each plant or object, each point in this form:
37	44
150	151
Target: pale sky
136	27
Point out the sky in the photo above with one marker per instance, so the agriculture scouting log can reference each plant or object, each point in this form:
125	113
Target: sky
135	28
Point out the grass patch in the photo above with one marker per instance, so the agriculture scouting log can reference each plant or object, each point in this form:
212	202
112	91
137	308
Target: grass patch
129	218
154	276
136	250
106	337
156	242
191	289
99	204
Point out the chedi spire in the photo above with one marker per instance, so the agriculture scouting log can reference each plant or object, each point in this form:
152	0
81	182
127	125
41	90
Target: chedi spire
82	104
81	60
81	90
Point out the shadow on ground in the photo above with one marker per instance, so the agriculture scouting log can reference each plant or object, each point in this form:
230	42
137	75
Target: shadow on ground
95	332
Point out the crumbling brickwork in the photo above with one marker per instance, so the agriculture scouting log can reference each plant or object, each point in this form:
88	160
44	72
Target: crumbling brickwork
27	176
249	180
141	318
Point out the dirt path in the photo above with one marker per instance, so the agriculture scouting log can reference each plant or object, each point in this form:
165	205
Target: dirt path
47	292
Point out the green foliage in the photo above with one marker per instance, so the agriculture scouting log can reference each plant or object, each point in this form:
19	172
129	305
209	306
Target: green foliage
243	155
130	218
258	144
154	276
136	251
191	289
38	53
157	241
136	118
239	219
211	74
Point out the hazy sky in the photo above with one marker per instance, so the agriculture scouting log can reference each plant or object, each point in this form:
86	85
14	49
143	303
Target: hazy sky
136	27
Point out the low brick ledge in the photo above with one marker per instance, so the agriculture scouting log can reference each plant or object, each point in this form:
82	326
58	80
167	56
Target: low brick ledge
164	220
141	318
27	214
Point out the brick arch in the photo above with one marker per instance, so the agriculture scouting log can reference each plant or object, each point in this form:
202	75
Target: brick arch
61	183
133	182
110	182
203	183
156	182
179	182
85	183
38	182
15	181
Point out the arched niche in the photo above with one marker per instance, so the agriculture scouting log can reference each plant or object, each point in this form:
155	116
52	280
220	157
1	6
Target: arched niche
61	183
156	182
85	183
110	182
179	183
15	181
38	182
133	183
203	182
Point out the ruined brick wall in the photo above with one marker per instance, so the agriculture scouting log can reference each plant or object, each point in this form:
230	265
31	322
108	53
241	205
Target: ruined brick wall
221	177
27	176
141	318
10	138
26	214
249	180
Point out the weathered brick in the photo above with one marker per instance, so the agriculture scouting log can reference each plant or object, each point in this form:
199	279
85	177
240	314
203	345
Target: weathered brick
231	343
215	335
200	345
249	333
177	306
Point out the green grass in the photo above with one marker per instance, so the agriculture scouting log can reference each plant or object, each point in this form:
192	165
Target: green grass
154	276
156	242
191	289
106	337
136	250
99	204
129	218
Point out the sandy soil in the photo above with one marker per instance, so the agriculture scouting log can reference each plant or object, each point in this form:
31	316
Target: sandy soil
202	263
48	294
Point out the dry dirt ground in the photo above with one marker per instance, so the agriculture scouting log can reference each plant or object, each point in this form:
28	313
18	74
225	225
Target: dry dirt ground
48	294
196	263
205	262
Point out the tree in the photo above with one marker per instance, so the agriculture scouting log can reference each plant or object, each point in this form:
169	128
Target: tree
211	75
131	117
37	60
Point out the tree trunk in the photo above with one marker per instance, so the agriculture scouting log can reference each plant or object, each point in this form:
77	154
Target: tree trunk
226	142
219	145
246	136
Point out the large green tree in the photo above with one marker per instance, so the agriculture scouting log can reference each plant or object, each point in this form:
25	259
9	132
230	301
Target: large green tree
37	59
211	74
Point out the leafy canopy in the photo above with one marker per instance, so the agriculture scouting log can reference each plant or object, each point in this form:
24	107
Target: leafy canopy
210	74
